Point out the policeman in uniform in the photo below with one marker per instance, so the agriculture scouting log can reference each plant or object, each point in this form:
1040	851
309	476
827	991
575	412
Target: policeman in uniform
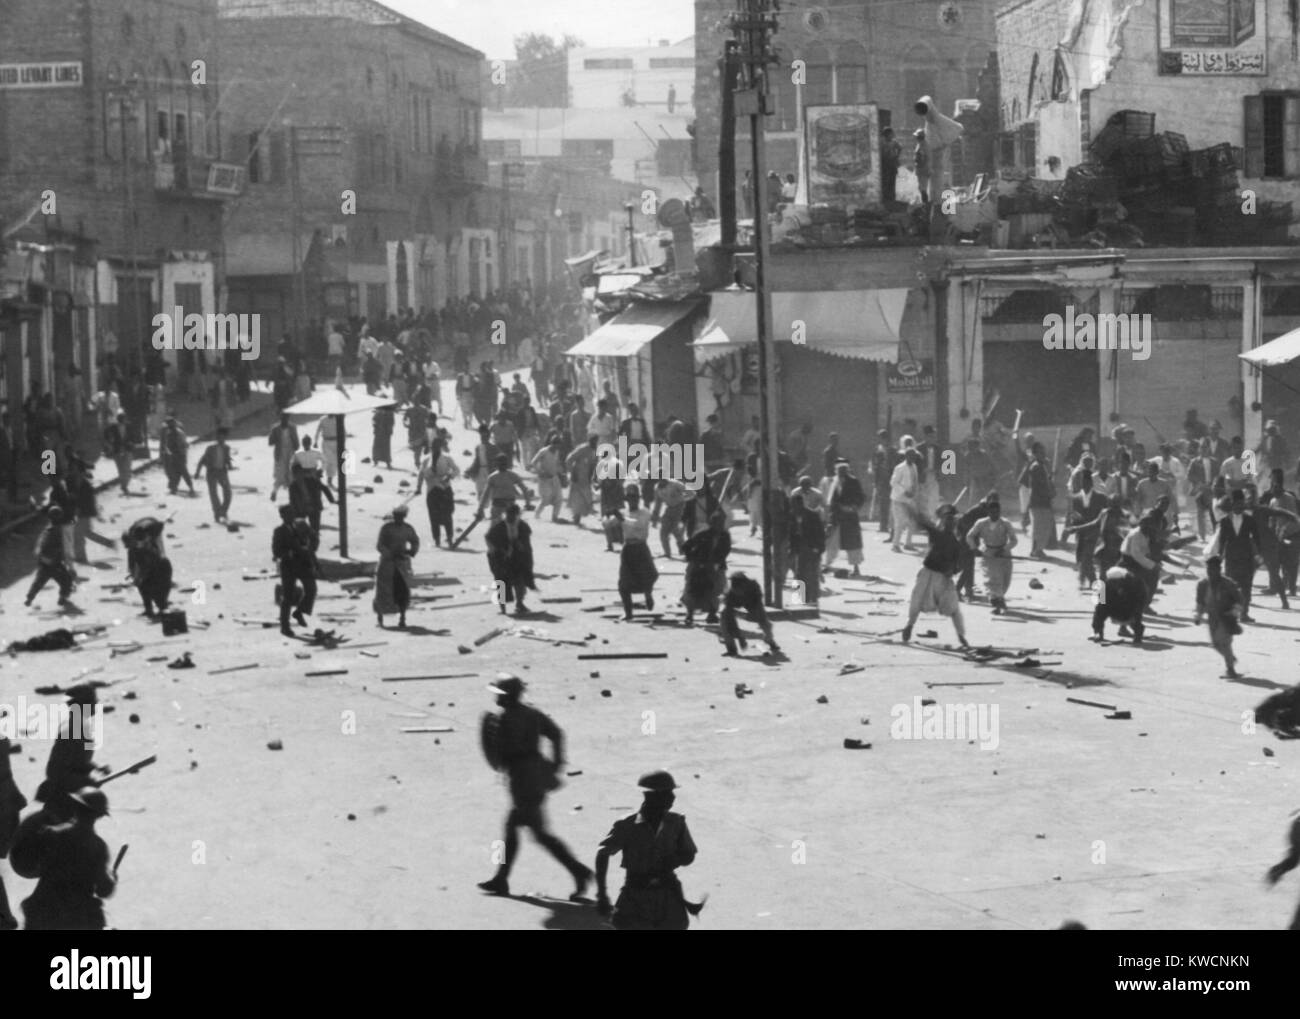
70	863
516	735
70	764
654	842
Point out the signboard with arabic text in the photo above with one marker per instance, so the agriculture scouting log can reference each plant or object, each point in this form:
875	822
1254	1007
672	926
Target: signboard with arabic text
1213	37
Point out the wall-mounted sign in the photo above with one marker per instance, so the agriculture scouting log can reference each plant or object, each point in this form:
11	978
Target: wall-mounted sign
842	143
909	376
58	75
225	178
1214	37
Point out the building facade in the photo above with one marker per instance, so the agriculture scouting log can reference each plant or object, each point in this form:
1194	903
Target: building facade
641	77
1214	71
111	185
366	181
880	52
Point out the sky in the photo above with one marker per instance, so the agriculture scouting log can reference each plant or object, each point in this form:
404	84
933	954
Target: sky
491	25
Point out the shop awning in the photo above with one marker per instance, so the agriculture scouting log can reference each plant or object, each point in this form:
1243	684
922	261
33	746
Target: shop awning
263	254
862	324
1283	350
625	334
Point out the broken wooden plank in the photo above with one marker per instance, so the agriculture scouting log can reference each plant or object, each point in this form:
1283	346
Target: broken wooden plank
490	635
328	672
236	668
427	728
458	605
443	675
560	601
1092	704
624	654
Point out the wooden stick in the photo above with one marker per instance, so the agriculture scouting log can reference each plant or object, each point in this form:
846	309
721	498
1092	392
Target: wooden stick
329	672
236	668
427	728
997	682
560	601
445	675
457	605
490	635
1092	704
626	654
120	853
129	771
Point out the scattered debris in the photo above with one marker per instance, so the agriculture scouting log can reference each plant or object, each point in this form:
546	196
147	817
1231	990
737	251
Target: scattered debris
606	693
329	672
134	719
823	699
849	667
1268	752
1035	584
275	744
1120	715
742	689
443	675
183	662
625	654
856	744
428	728
236	668
1092	704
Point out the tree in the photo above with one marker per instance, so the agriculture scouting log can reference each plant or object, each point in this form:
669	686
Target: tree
541	75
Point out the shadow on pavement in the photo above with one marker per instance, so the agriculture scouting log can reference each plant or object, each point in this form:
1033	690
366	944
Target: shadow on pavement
565	915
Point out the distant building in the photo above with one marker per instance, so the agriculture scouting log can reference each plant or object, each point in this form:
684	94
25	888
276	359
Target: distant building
360	129
652	77
878	51
112	178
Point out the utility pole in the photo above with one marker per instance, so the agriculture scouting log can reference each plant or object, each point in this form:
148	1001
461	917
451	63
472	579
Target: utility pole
728	67
631	233
755	23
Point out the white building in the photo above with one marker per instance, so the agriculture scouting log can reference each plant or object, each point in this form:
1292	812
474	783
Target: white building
639	76
645	146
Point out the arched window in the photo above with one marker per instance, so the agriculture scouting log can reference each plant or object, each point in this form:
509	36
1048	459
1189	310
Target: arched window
820	89
1060	78
851	73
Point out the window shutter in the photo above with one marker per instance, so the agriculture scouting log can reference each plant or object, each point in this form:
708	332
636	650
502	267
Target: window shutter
1291	137
1254	126
278	161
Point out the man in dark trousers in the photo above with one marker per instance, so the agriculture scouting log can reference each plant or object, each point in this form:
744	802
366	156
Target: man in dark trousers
512	741
51	560
1217	602
883	462
293	545
654	842
216	461
71	761
510	558
1237	543
174	447
1085	507
70	863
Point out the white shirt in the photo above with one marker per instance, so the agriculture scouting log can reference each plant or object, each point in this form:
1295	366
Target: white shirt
605	428
335	341
902	484
308	459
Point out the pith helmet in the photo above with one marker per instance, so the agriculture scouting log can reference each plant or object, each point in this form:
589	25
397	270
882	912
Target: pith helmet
657	781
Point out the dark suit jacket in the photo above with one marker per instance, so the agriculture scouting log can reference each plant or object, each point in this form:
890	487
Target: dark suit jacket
1238	549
